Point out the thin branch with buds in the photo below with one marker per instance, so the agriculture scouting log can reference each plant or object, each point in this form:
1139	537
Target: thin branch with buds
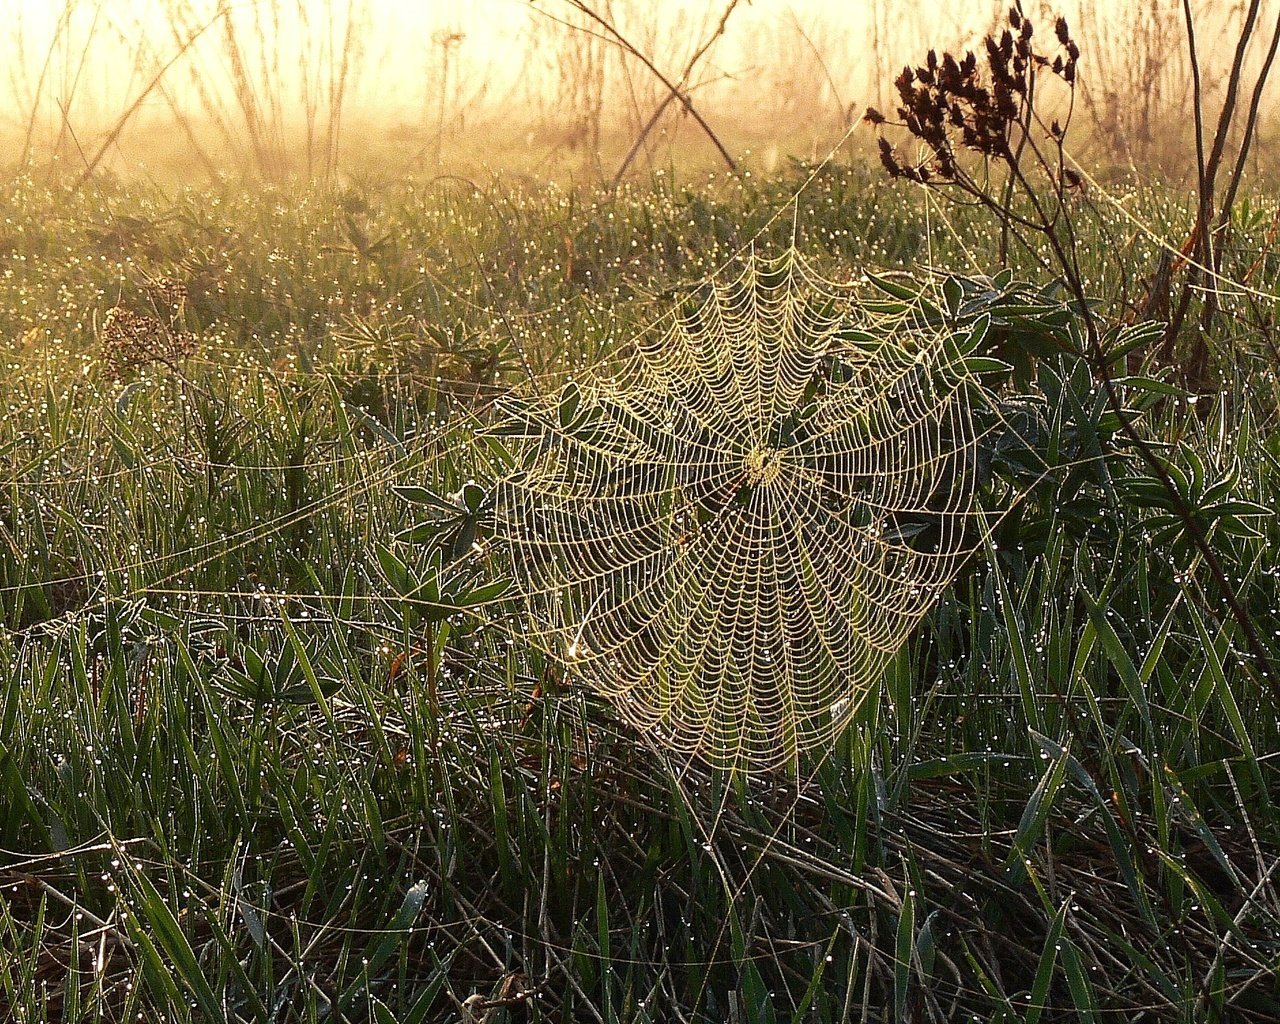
953	106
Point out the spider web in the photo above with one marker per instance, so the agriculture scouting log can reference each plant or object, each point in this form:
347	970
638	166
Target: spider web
732	534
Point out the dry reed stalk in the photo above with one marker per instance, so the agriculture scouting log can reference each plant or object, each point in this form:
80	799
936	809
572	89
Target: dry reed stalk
243	90
71	85
114	133
605	28
64	19
1131	99
673	94
1212	217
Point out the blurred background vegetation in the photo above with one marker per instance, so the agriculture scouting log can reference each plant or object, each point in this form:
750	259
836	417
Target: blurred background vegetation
270	750
183	89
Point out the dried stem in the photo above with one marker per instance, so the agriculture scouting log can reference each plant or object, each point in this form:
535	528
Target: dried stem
612	34
674	94
92	164
948	105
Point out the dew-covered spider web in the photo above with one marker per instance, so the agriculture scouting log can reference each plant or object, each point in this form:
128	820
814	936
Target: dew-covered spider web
731	534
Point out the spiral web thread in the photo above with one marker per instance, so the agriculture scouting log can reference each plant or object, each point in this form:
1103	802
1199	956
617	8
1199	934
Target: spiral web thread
733	533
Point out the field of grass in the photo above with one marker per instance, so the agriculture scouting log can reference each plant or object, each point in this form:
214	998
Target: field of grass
246	774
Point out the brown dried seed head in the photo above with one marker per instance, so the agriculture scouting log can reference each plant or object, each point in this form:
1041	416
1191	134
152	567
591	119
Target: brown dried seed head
889	159
171	292
132	340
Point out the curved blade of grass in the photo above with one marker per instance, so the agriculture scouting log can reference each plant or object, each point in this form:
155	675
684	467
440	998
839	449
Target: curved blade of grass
393	936
903	945
1039	1001
169	937
1034	816
1082	992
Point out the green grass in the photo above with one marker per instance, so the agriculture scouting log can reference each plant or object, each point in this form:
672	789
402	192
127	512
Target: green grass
244	777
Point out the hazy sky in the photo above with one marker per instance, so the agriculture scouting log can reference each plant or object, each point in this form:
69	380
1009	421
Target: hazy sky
103	51
269	66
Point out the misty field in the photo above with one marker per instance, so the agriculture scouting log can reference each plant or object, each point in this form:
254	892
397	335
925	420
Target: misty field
251	772
838	587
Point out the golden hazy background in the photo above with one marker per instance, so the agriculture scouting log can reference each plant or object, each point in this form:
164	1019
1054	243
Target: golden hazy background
196	88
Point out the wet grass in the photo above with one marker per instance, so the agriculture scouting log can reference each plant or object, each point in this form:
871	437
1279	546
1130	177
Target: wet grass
243	776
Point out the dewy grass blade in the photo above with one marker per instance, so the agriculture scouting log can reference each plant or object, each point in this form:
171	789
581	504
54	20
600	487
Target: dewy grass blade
1121	844
18	806
1034	816
388	940
1119	658
308	670
178	955
904	946
1017	645
1227	700
604	944
1083	994
1038	1001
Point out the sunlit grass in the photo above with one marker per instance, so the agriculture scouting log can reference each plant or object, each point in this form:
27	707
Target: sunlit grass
243	777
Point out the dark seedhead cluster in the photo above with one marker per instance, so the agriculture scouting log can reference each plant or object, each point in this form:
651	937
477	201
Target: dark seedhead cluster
949	104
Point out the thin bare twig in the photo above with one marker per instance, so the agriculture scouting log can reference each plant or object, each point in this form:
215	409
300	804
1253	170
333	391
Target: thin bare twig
133	108
672	95
615	36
